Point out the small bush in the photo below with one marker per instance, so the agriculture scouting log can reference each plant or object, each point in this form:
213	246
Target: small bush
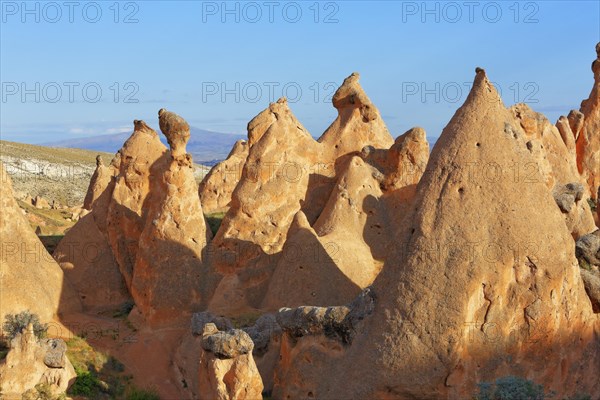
140	394
15	323
214	221
511	388
85	384
114	364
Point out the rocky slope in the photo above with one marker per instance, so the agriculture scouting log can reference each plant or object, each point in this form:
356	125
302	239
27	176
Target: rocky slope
56	174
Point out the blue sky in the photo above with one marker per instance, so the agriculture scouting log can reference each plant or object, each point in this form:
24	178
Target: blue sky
219	64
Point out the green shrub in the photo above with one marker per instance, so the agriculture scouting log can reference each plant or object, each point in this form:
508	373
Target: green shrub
85	384
114	364
214	221
511	388
141	394
15	323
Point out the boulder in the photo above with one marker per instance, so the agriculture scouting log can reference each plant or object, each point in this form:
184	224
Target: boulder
566	196
591	281
263	330
230	344
588	248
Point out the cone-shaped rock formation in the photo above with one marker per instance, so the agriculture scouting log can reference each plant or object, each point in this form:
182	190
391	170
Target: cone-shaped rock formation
475	289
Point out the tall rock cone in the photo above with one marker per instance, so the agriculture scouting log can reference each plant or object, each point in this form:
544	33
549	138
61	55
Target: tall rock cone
588	142
85	250
286	171
101	179
358	123
168	271
348	245
272	189
274	181
475	290
30	279
217	186
137	163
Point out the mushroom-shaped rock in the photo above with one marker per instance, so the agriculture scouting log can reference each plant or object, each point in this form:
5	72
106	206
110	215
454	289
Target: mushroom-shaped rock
176	130
169	278
227	369
576	119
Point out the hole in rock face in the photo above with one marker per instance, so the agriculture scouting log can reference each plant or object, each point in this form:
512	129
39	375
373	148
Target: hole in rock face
461	190
310	395
478	144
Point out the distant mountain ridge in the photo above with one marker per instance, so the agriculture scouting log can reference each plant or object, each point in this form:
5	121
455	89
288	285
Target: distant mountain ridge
206	147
